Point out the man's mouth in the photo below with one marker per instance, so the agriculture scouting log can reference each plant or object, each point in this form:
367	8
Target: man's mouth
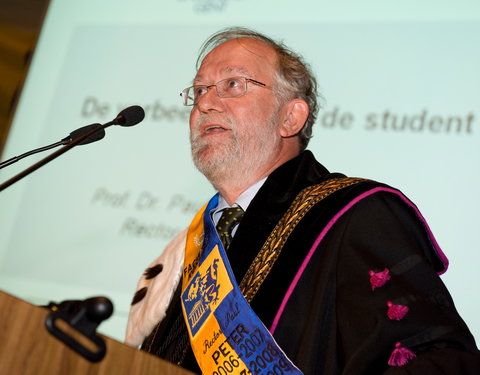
213	129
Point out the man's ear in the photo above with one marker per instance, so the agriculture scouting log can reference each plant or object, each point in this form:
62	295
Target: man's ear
294	116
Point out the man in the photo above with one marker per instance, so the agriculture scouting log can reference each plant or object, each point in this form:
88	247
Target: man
339	275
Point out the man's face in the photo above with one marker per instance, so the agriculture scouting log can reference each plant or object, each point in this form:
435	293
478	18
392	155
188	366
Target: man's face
235	137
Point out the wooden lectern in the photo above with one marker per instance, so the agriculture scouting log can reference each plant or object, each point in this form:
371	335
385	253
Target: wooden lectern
26	347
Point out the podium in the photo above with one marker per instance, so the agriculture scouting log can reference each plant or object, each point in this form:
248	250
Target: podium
26	347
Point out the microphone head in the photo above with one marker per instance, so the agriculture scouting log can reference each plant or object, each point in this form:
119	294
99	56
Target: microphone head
130	116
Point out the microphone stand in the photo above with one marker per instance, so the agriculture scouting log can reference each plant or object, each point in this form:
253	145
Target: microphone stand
53	156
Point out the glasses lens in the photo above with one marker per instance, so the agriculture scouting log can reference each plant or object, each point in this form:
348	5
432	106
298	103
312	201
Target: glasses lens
197	92
187	96
232	87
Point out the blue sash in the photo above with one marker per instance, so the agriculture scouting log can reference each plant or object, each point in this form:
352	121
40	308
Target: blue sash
227	337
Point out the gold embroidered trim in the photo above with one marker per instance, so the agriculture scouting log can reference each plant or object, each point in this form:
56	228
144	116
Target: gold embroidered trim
304	201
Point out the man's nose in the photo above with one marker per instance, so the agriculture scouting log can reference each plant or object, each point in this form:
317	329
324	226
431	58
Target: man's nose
210	100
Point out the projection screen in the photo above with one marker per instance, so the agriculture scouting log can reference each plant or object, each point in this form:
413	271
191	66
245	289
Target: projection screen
401	105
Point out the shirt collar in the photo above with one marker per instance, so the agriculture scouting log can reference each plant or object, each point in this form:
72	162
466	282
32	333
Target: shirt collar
244	199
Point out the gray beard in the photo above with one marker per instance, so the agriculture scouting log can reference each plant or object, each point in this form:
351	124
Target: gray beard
234	161
220	166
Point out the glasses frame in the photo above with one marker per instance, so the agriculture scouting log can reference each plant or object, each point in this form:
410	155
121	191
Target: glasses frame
185	92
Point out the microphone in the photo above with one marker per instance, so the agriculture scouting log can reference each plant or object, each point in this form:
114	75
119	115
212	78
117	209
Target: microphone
128	117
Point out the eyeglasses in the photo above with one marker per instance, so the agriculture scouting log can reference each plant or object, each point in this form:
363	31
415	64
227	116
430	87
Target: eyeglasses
226	88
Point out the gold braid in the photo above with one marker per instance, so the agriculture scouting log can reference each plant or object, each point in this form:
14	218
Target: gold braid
266	257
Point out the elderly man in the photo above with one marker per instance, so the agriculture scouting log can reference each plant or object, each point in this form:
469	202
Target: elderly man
291	269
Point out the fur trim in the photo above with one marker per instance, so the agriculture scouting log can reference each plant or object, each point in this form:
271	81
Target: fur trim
151	307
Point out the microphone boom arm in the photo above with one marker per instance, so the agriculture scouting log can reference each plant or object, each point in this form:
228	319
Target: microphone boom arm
52	156
6	163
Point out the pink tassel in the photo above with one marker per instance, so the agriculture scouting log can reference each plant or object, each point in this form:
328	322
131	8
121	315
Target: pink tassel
379	279
400	356
396	312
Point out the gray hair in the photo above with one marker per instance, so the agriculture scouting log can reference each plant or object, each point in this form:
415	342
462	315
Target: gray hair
295	80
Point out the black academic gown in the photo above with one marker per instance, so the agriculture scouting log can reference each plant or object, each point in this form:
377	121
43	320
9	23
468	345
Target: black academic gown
333	322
